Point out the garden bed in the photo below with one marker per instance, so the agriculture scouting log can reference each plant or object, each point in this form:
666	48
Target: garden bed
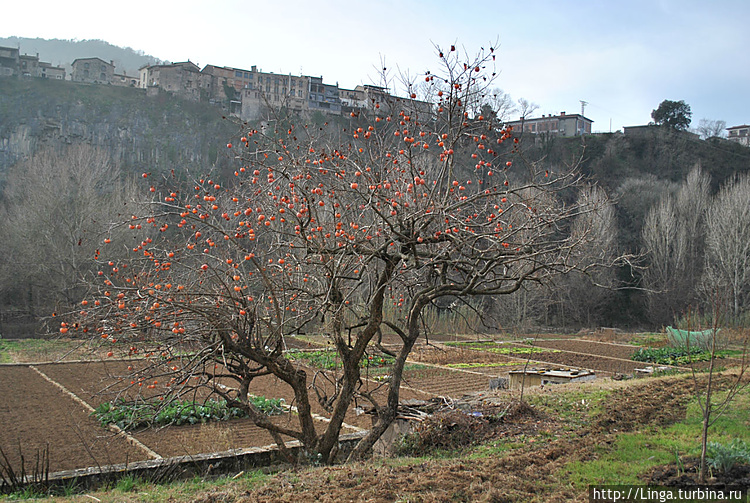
36	416
606	349
36	413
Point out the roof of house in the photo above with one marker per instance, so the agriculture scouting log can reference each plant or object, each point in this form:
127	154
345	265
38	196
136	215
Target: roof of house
562	115
89	59
557	372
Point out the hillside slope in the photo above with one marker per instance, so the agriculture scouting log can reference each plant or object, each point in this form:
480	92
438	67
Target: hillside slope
139	132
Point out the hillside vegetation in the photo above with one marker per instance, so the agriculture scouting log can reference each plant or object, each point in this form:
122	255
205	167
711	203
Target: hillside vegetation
167	136
137	132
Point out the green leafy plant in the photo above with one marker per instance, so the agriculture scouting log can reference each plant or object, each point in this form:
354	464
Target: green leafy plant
128	415
671	355
329	360
723	457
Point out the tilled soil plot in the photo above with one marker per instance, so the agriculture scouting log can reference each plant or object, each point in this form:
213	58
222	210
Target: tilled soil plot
596	363
210	437
445	382
35	412
447	355
608	362
590	347
37	416
94	382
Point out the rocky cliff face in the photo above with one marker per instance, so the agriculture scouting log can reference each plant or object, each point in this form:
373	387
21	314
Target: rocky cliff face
140	133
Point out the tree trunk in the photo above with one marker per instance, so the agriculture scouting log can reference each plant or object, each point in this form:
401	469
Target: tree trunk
387	414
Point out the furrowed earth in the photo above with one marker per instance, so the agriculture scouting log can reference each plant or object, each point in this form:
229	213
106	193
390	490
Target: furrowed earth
45	410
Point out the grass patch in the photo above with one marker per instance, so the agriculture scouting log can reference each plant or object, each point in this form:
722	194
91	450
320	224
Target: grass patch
648	339
136	490
127	484
12	351
493	449
574	407
633	454
416	366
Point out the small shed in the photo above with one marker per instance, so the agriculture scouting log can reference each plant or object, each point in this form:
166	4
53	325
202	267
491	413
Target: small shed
540	376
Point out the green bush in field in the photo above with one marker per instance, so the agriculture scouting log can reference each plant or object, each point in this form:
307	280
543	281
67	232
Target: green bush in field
671	355
329	360
723	457
137	415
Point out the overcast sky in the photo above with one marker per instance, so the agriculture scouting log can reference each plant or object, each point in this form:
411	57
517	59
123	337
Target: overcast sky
623	58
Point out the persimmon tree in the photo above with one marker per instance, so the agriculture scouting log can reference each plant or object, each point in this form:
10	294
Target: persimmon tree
347	234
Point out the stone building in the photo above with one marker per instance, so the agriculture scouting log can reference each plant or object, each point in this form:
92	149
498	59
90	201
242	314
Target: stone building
378	100
228	83
25	65
554	125
125	80
9	61
92	71
47	71
739	134
182	79
324	97
29	65
273	91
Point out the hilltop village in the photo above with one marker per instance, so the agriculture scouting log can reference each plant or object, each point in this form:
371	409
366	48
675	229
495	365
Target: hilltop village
244	93
250	94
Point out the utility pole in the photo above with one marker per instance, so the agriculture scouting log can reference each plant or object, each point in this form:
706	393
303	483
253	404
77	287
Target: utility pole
583	109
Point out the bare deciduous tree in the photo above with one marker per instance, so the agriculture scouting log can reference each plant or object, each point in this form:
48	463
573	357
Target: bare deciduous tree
674	234
708	128
526	108
728	245
56	204
584	294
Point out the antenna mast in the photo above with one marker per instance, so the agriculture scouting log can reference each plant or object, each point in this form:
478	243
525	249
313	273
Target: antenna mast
583	106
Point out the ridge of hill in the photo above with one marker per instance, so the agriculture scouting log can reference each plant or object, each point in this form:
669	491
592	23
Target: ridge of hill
63	52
